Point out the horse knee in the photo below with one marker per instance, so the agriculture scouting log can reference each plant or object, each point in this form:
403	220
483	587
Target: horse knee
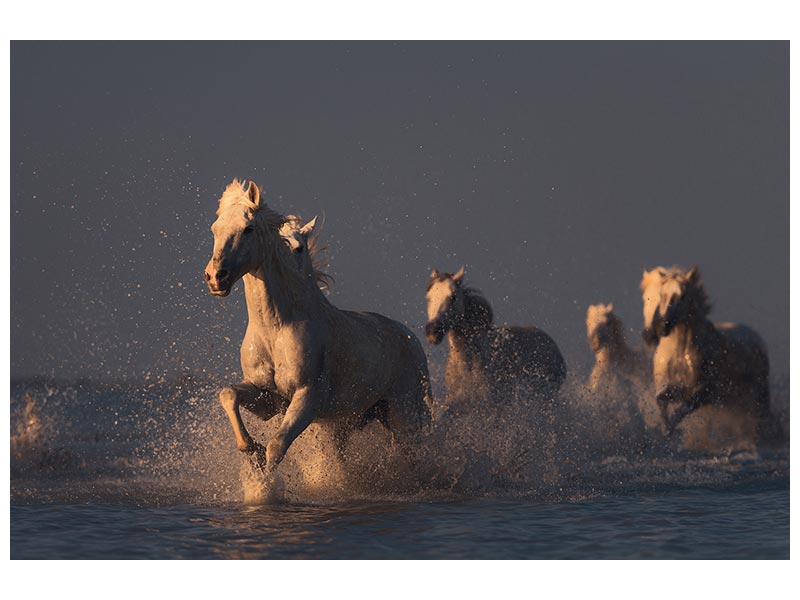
227	398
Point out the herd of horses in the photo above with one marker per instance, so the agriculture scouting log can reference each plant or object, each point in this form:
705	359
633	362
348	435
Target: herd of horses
311	362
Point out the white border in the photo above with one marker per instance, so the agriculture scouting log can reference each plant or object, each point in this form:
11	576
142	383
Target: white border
414	19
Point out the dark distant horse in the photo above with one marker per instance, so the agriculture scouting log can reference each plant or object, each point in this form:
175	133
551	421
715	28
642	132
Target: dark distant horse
487	362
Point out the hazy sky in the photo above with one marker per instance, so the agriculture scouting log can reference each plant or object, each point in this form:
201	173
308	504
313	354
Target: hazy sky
554	171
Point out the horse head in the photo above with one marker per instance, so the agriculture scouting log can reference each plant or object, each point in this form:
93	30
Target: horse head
445	297
236	244
670	297
682	298
651	297
297	237
603	328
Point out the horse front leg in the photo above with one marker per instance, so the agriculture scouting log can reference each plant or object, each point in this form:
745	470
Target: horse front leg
247	395
684	404
300	414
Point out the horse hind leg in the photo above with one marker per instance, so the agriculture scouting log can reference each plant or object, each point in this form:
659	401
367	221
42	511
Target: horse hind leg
406	417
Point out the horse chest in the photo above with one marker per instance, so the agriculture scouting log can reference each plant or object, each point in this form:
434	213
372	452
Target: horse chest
257	365
676	365
466	377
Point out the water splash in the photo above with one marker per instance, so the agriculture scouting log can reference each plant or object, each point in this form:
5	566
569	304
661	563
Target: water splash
163	443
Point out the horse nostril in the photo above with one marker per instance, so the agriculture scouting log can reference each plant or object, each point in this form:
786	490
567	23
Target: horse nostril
207	276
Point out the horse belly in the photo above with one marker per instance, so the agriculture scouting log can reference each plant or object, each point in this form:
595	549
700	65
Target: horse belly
340	405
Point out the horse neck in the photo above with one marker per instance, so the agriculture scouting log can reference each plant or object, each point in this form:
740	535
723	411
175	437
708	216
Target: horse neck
690	334
271	303
466	342
616	353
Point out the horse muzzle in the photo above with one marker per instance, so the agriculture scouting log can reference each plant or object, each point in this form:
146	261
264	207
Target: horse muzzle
219	291
219	282
650	336
434	332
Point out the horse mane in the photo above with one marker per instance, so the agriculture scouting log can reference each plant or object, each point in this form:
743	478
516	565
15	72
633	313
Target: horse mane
477	310
695	290
268	223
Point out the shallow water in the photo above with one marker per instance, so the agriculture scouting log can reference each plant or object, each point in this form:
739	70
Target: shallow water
151	472
737	522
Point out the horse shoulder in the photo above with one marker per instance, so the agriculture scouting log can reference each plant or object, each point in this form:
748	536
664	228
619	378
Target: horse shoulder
256	361
671	365
298	355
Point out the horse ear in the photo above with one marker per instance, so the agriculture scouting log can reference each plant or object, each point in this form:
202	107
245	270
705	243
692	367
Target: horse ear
309	227
253	193
459	274
434	273
609	307
693	275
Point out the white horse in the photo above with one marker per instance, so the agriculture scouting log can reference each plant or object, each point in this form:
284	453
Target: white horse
301	355
698	363
613	357
621	378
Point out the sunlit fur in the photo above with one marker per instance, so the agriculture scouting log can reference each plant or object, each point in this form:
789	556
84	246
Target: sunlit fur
301	355
651	297
621	375
697	363
487	364
606	336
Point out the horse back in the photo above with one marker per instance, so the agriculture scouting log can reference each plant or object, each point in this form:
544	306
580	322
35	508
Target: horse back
380	349
529	351
745	348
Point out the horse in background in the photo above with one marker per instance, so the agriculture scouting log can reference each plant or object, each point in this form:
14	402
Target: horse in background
302	356
487	364
613	357
621	377
720	369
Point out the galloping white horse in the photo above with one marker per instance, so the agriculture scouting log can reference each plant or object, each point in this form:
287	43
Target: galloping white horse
301	354
697	362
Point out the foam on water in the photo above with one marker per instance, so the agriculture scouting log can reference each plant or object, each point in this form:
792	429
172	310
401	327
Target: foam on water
160	444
